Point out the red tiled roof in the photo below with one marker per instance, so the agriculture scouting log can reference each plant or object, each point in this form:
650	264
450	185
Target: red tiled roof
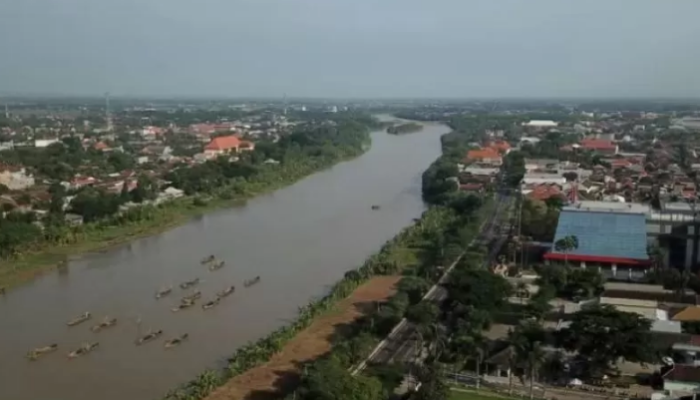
481	154
597	144
100	146
224	143
471	186
544	192
620	163
500	145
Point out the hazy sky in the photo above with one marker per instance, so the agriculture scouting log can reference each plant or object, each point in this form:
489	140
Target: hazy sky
351	48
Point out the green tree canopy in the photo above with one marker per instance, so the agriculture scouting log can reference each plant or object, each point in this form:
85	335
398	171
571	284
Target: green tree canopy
327	379
604	335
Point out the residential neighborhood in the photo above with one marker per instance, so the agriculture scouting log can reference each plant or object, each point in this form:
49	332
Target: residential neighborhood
610	196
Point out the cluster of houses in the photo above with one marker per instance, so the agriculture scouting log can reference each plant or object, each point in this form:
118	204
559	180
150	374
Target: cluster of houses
675	368
637	196
152	147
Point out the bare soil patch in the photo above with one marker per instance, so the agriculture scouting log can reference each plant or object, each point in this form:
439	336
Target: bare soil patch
282	370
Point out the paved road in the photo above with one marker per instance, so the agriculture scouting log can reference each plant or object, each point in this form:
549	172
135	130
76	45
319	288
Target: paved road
402	342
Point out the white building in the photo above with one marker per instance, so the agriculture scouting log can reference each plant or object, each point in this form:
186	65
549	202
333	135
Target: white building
539	179
44	142
15	178
540	124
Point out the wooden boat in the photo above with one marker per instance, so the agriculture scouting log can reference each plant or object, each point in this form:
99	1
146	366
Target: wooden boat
176	341
80	319
217	265
35	353
211	304
164	292
106	323
151	336
84	349
191	298
226	292
183	305
251	282
189	284
375	207
208	259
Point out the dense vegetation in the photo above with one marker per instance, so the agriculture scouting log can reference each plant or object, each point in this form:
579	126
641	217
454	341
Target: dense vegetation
314	147
408	127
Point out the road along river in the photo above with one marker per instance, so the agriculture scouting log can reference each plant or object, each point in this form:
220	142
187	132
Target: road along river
299	240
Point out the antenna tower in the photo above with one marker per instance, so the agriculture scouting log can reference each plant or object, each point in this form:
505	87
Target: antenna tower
108	114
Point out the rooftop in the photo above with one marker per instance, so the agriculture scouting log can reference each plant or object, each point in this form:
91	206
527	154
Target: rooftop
683	373
609	206
691	313
614	237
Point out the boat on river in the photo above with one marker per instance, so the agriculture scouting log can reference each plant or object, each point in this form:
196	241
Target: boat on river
182	306
149	337
191	298
107	322
208	259
375	207
226	292
39	351
189	284
217	265
211	303
164	292
84	349
251	282
170	343
80	319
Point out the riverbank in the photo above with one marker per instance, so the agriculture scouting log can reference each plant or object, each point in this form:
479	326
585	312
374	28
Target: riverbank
280	374
165	217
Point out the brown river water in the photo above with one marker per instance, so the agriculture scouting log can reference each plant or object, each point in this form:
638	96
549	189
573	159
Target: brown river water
299	240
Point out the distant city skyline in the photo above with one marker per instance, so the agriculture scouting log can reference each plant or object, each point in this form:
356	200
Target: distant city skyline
389	49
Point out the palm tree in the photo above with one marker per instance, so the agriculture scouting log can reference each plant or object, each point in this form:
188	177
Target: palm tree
534	358
566	245
512	363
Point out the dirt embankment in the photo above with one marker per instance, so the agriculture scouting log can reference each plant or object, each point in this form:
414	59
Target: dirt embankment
264	381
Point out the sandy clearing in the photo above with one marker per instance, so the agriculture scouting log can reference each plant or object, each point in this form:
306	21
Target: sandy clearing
262	382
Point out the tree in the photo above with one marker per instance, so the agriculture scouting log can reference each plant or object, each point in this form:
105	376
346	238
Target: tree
566	245
423	313
58	194
146	189
526	340
433	387
470	346
478	288
327	379
604	335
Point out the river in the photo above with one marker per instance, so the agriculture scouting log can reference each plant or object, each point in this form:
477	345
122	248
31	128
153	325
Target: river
300	240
